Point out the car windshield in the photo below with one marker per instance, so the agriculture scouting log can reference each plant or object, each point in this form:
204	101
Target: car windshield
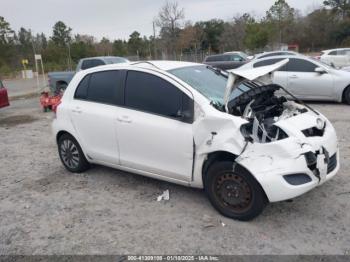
206	80
209	82
116	60
244	55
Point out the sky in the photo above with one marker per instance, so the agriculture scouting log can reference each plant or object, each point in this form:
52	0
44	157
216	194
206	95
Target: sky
117	19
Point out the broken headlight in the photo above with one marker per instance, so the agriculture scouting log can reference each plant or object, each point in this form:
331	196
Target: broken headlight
254	132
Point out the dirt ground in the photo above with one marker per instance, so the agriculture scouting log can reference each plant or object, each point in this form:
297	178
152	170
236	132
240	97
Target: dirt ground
46	210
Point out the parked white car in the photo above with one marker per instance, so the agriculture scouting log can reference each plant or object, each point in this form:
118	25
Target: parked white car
193	125
273	53
308	79
336	57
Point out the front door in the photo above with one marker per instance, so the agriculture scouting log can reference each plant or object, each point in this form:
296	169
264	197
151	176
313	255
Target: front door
305	83
152	135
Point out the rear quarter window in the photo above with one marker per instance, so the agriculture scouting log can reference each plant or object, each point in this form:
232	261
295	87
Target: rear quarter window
82	89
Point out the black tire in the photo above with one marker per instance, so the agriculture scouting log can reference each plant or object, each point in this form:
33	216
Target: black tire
71	154
233	191
346	95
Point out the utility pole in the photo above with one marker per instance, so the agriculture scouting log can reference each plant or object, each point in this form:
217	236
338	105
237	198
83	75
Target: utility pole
154	41
36	64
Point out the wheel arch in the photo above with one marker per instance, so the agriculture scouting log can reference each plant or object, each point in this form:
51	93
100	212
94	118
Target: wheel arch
61	133
224	156
343	94
213	157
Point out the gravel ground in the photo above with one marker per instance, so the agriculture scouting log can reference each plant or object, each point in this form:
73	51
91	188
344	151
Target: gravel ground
46	210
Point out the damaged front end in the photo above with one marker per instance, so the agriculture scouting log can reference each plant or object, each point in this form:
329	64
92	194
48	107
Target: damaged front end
290	148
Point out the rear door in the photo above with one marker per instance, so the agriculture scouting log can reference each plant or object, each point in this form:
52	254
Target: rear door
94	111
155	127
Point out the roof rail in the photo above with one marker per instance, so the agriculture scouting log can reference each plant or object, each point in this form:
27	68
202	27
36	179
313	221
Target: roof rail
145	62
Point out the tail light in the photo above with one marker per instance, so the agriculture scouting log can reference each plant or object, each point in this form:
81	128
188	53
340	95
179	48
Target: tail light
54	107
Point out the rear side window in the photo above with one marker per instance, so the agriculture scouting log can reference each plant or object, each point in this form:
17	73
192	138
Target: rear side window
1	85
217	58
300	65
236	58
152	94
91	63
82	89
102	87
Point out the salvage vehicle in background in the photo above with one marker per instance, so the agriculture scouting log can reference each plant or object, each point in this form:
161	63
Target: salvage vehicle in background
229	60
336	57
60	80
191	124
308	79
4	100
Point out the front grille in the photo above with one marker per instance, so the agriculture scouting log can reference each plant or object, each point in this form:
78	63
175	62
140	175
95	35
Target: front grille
332	163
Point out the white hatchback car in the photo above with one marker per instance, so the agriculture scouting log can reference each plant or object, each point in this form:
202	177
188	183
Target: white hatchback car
196	126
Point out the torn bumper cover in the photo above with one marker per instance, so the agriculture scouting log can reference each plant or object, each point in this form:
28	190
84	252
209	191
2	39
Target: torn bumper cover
293	165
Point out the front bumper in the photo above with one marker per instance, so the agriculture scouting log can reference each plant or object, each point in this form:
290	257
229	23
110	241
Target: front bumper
270	162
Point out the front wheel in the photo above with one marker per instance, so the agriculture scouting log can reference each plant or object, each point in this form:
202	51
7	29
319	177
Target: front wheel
71	154
234	192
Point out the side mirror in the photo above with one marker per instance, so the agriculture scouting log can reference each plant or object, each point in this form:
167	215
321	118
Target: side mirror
320	70
185	116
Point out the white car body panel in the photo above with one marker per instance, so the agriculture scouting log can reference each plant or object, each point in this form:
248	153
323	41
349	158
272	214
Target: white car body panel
175	151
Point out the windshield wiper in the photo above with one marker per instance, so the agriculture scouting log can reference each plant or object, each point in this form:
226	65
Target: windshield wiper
216	71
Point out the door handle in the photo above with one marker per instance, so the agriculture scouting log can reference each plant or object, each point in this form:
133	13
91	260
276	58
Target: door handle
77	110
293	76
124	119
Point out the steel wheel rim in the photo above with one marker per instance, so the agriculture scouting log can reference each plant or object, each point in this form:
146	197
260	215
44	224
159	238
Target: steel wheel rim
233	192
69	154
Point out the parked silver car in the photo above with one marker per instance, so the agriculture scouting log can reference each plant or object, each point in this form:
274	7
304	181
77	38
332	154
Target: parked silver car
308	79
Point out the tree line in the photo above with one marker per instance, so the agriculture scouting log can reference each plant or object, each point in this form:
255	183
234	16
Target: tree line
325	27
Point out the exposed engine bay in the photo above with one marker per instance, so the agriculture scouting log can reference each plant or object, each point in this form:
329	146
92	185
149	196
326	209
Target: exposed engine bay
259	104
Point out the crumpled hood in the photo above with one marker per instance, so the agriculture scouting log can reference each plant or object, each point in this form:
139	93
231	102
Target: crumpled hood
239	75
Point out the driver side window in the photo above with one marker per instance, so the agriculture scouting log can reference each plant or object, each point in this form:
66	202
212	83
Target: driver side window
300	65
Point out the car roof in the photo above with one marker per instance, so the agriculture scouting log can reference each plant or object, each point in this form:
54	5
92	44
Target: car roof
102	57
277	57
155	65
165	64
272	52
335	49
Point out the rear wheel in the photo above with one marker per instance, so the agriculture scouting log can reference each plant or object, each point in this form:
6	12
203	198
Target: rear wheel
234	192
71	154
346	95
